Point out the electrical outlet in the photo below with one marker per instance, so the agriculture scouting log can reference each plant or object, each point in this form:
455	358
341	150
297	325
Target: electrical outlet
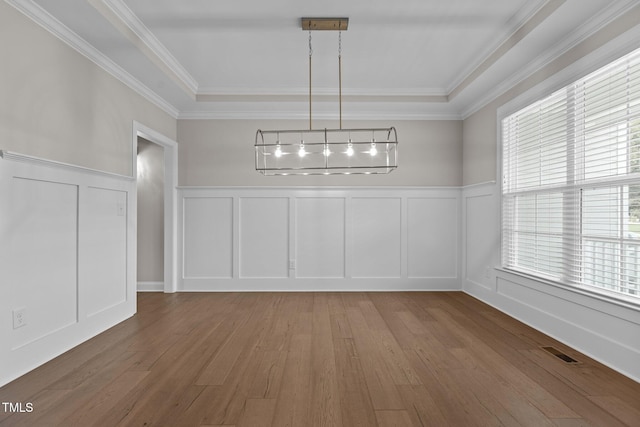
19	317
292	264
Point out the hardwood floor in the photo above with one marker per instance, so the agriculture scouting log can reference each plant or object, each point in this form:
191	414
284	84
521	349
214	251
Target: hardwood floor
321	359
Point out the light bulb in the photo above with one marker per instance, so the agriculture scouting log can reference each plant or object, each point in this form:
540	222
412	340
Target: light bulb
350	149
302	152
278	151
373	150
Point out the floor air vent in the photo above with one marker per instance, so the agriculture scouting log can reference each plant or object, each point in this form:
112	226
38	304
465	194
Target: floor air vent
560	355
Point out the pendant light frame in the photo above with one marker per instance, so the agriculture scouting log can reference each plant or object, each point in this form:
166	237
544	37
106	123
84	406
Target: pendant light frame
326	151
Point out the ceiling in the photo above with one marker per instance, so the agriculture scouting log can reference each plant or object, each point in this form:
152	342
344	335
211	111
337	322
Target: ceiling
404	59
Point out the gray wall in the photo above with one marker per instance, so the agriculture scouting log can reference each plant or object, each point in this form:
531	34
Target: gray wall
150	184
220	153
58	105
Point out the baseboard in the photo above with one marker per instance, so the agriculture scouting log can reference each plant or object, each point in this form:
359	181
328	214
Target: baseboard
150	286
556	318
319	285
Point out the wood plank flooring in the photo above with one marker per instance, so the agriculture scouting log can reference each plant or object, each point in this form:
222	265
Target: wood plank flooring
321	359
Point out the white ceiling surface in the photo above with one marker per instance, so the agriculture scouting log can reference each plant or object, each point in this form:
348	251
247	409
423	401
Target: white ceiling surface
407	59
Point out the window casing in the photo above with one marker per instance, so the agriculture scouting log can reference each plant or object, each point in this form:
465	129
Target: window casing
571	183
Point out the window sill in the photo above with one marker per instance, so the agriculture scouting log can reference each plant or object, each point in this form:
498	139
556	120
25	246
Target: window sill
603	295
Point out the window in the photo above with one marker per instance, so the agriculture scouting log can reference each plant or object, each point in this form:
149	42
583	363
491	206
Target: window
571	183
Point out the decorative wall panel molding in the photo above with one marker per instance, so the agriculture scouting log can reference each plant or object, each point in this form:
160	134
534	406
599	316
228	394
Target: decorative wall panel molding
319	237
67	258
208	237
377	237
264	237
104	266
42	239
316	239
433	243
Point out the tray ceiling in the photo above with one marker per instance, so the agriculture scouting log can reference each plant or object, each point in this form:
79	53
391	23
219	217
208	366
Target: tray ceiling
403	59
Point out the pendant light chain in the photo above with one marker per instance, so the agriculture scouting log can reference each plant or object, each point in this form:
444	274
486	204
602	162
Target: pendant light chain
340	74
310	55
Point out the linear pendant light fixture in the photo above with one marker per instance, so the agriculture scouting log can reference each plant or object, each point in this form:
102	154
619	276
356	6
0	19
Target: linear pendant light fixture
326	151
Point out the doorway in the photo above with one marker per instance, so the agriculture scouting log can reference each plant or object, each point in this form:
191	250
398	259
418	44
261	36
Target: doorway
167	150
150	216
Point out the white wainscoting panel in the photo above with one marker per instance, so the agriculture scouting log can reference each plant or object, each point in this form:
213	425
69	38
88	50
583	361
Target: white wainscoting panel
208	237
434	238
41	251
320	234
482	236
105	249
67	258
602	328
377	237
308	239
264	237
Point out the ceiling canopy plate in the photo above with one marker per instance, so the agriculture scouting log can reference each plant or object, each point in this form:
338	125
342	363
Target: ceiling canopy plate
324	24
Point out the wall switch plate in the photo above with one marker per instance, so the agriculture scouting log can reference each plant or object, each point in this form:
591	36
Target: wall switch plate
292	264
487	273
19	317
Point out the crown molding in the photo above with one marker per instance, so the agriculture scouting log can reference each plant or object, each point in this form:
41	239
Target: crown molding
271	114
606	54
579	35
320	98
518	21
126	16
245	103
527	28
45	20
304	91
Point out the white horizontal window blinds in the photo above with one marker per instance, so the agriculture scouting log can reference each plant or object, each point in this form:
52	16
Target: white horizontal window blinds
571	182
